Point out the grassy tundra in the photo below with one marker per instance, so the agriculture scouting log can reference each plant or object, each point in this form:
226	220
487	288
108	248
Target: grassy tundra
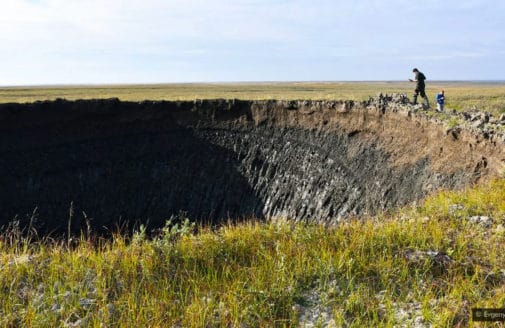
427	264
460	95
362	273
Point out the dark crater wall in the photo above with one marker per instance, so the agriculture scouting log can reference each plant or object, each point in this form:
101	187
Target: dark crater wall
215	160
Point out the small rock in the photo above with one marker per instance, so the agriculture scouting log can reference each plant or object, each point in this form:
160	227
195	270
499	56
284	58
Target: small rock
466	116
419	322
78	323
67	296
478	124
86	303
500	229
474	117
110	309
380	295
344	108
56	307
292	105
455	207
454	132
296	308
314	313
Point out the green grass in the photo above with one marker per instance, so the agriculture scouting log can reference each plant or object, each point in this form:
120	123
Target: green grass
460	95
265	274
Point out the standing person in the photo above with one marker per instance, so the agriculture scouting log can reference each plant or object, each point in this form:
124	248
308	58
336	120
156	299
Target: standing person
440	101
420	86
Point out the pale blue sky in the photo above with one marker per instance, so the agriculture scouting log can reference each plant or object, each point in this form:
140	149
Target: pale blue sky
153	41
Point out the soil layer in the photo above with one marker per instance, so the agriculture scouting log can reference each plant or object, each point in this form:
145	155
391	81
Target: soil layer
107	162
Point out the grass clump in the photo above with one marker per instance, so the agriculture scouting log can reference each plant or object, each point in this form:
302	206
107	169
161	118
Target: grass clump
383	271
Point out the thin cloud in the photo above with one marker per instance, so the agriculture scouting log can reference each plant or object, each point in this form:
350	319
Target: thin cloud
61	41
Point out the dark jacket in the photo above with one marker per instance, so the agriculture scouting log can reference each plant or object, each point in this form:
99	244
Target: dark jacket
420	79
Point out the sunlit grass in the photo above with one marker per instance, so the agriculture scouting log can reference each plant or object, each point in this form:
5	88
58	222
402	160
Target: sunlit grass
265	274
459	95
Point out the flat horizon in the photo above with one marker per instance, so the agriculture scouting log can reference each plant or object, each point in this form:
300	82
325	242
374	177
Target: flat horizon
128	84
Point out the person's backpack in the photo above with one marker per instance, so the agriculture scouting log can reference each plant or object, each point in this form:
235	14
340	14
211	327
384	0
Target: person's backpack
421	77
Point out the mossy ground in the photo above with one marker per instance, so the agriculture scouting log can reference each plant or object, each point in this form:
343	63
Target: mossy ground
267	274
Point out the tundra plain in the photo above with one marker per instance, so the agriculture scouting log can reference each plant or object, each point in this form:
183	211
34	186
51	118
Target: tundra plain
484	96
426	264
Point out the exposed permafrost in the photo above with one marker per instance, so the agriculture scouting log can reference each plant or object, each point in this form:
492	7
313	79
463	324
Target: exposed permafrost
216	159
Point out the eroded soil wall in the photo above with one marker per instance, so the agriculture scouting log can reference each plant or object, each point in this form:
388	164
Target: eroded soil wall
111	161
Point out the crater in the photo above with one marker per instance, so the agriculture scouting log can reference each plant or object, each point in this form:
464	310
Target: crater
108	162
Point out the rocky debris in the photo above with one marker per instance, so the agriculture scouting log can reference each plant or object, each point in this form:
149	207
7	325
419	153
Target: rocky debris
417	255
493	278
406	314
409	315
313	312
476	117
484	221
439	261
481	220
465	116
395	102
61	298
483	125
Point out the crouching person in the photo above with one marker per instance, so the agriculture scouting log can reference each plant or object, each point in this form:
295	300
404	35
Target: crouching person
440	101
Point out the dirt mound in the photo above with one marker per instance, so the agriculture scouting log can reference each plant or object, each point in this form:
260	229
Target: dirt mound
214	160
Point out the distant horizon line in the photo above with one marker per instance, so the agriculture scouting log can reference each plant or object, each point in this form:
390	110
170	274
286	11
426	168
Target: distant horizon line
484	81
